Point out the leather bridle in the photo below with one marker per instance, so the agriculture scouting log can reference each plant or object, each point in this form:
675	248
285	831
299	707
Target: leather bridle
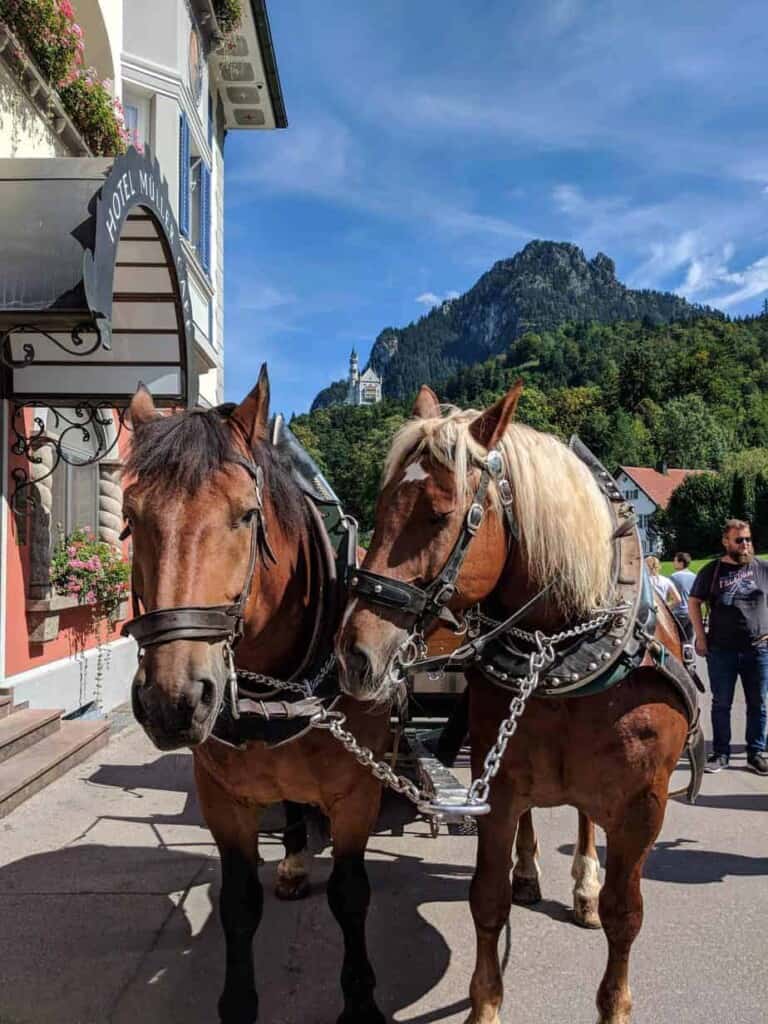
222	622
423	605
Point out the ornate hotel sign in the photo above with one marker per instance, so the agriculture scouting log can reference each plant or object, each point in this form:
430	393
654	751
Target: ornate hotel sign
93	286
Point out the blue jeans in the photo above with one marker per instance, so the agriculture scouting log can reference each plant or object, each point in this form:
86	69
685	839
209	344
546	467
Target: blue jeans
724	666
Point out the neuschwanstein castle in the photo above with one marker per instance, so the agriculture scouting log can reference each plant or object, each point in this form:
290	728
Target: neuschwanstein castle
362	388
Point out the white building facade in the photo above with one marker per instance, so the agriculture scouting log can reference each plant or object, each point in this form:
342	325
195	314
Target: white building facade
183	83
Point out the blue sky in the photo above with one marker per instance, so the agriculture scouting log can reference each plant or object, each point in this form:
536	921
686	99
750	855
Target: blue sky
427	140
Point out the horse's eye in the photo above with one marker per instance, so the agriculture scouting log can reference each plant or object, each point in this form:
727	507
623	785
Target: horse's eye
439	517
247	519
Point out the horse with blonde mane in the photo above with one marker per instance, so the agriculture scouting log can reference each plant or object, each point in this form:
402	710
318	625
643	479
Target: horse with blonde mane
544	548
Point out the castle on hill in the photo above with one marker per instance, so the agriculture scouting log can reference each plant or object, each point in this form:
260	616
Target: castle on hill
362	388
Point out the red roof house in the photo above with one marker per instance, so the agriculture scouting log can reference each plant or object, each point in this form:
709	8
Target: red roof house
659	485
647	490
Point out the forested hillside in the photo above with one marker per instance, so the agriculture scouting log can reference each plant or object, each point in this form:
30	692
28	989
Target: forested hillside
542	287
689	394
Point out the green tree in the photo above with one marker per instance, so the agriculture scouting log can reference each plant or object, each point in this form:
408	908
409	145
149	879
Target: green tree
693	519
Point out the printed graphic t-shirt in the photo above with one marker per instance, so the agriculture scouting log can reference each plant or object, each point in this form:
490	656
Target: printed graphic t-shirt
737	596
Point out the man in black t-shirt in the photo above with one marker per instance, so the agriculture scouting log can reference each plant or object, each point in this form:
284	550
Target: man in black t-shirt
735	587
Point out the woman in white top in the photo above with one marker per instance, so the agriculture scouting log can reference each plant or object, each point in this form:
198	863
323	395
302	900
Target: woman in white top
663	585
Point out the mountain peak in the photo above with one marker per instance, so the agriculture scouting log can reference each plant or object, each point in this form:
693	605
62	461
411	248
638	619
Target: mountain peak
544	285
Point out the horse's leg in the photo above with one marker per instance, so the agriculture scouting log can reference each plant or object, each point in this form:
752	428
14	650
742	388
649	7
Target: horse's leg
526	874
585	871
490	897
349	894
621	903
235	829
292	882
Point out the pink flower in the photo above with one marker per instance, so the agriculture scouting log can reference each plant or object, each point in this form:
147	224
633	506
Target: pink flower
71	550
90	597
66	9
73	585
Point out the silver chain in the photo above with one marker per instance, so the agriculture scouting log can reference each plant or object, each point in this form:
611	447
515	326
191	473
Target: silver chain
538	661
306	687
477	793
601	619
334	721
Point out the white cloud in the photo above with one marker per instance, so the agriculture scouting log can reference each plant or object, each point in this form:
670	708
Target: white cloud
429	299
262	297
749	283
317	156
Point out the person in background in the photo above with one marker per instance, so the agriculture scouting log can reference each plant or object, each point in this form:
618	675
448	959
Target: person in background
663	585
683	579
735	587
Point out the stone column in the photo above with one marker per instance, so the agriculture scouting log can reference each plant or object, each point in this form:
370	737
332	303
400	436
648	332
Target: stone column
110	503
41	547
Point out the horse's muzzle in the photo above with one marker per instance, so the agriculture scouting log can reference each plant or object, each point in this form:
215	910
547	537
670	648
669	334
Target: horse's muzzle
184	721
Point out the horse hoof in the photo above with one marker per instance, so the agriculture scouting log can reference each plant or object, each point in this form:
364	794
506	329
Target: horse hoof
585	913
369	1014
525	890
294	887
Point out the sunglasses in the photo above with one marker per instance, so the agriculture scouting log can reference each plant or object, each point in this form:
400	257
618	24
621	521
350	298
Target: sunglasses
742	540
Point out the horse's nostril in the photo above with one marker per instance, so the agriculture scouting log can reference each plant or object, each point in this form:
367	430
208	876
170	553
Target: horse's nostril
357	659
208	695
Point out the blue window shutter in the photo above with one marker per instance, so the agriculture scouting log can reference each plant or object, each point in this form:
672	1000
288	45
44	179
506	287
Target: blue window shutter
205	217
210	119
184	175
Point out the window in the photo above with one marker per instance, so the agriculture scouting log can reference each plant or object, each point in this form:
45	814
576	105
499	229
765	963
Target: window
75	481
75	494
137	113
631	494
194	195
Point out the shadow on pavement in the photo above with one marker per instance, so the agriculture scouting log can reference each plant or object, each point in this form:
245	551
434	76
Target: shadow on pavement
675	861
119	933
735	801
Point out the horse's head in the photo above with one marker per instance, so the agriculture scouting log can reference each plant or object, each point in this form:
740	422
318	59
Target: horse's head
431	477
192	507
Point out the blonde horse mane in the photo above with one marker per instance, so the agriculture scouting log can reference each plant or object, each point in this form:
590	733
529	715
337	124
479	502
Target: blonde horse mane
564	521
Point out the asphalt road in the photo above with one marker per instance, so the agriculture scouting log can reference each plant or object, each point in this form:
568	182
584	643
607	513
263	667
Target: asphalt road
108	880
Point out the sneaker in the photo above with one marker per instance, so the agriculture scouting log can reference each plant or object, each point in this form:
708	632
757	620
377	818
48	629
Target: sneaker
758	762
716	762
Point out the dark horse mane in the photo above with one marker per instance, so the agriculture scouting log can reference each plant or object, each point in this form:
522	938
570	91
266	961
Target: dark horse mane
180	452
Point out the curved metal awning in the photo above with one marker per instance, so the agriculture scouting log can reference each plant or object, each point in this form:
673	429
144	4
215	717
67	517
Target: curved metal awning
93	285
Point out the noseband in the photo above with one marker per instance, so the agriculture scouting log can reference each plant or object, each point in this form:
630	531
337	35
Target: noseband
220	622
423	605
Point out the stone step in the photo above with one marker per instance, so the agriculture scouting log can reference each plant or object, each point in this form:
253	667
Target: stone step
34	768
22	730
6	704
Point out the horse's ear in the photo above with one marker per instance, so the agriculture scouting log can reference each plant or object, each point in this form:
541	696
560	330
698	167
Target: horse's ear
427	404
252	415
490	425
142	408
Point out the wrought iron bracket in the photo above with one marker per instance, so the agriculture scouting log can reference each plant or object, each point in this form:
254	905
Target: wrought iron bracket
95	424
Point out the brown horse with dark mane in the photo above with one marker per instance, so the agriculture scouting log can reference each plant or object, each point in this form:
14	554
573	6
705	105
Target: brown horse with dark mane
478	511
226	563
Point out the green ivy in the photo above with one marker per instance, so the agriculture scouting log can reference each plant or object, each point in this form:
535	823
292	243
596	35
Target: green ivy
229	14
93	111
